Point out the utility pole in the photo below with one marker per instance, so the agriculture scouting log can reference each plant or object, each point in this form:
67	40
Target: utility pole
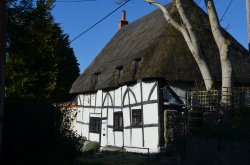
3	31
248	22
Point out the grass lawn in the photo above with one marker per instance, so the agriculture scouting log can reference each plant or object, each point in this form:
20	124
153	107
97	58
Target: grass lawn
112	158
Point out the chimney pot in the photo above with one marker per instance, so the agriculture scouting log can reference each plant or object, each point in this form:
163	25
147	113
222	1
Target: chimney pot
123	21
174	3
123	15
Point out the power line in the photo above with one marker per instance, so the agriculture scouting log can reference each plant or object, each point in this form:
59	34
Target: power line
99	21
226	9
74	0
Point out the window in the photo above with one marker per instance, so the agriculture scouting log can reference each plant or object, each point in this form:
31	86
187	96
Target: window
95	77
119	72
118	121
94	124
136	117
137	65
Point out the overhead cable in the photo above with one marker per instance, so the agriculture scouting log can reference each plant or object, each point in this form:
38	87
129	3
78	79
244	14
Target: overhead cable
230	3
91	27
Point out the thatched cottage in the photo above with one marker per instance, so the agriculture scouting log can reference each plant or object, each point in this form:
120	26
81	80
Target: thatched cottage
145	69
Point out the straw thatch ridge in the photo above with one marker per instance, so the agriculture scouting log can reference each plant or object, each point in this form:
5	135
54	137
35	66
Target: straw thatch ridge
160	52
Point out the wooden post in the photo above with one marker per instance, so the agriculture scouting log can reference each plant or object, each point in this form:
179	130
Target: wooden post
3	29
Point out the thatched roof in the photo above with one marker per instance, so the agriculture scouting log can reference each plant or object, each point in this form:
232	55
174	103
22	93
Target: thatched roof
162	51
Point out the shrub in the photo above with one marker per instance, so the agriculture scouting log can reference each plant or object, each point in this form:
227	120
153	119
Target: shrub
36	127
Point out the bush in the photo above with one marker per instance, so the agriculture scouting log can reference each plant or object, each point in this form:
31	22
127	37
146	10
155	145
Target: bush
35	127
92	147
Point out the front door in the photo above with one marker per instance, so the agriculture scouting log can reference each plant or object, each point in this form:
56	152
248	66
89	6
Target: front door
104	132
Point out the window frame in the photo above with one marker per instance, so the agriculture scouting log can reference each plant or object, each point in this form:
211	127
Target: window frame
136	118
116	125
94	124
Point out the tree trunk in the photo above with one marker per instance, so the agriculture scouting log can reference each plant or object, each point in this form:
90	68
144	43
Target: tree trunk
248	22
223	46
3	29
190	38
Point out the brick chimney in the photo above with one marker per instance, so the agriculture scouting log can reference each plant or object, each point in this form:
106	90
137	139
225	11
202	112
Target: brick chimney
174	3
123	21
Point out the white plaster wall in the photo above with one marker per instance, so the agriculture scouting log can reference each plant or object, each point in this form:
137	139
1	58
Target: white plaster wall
132	98
91	110
94	137
137	150
99	98
151	138
154	95
108	100
137	91
86	100
146	87
79	128
92	97
117	110
85	115
85	130
118	97
150	113
118	138
111	116
150	116
124	88
97	110
111	103
94	115
135	107
105	112
137	137
110	137
104	101
79	114
80	100
126	100
126	117
126	137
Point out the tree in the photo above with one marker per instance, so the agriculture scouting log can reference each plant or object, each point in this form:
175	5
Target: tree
40	62
223	46
3	28
191	40
248	21
186	29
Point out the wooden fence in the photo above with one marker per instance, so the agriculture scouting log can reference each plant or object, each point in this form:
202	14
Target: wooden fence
208	103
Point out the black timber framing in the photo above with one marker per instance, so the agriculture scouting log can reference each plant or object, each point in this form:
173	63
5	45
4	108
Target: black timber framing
95	102
145	126
123	124
160	112
100	134
141	89
124	106
80	122
128	92
130	120
151	91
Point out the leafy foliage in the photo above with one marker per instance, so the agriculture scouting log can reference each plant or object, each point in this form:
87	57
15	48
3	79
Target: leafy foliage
36	130
40	61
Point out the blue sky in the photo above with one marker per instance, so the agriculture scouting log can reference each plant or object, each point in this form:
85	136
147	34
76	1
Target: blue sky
75	17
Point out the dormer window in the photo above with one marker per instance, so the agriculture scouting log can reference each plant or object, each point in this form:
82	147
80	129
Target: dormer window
119	71
137	65
95	76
